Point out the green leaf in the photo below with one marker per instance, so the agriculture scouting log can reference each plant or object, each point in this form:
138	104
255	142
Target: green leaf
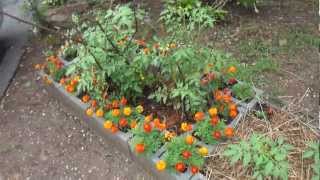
229	152
246	159
315	178
280	156
308	154
235	158
268	168
316	168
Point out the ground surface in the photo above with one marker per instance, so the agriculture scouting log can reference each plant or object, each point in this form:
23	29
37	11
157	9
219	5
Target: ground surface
285	32
39	140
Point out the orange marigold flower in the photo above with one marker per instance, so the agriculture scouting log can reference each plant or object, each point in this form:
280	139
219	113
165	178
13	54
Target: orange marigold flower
199	116
94	103
214	120
218	95
161	126
115	112
141	42
232	69
232	106
108	124
70	88
146	51
233	114
100	112
156	121
229	132
227	98
133	124
123	101
148	118
123	122
114	129
115	104
189	139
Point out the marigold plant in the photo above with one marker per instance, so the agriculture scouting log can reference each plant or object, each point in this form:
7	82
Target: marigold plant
149	135
181	155
212	130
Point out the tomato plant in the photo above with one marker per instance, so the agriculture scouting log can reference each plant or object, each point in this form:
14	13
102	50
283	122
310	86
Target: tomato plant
189	15
267	157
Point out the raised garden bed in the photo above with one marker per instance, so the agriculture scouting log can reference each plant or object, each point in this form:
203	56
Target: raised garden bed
121	139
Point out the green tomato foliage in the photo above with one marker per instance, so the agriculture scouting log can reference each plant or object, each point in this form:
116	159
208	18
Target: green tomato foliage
267	157
313	153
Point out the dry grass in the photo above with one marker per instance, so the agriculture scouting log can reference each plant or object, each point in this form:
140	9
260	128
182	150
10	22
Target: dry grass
291	126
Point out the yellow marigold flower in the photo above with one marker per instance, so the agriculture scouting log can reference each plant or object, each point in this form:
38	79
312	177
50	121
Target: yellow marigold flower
148	118
161	165
213	111
173	45
99	112
169	135
139	109
185	127
89	112
77	78
127	111
203	151
107	124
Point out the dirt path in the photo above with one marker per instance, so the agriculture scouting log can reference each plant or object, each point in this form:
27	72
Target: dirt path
40	140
